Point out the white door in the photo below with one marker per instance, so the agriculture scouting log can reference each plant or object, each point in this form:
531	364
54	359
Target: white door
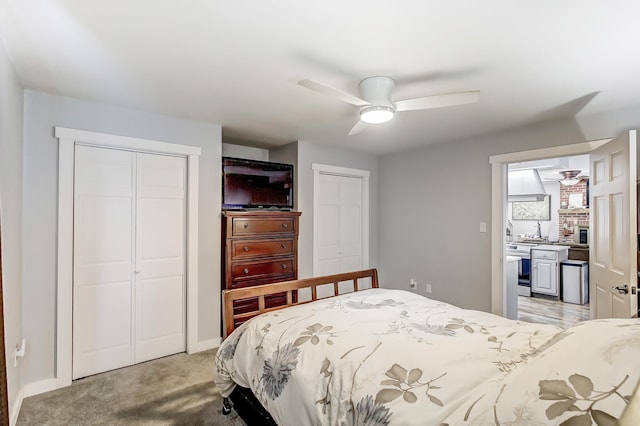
613	205
128	290
159	273
338	218
103	260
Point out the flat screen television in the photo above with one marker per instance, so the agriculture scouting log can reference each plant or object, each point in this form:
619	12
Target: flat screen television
252	184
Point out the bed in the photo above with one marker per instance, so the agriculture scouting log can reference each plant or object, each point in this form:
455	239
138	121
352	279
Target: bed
377	356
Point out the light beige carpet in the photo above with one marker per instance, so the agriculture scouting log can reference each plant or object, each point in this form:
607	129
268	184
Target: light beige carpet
175	390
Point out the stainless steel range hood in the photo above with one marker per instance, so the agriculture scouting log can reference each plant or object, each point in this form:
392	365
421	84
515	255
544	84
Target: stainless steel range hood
525	185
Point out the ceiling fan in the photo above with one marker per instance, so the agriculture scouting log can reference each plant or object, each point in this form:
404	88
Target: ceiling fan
376	104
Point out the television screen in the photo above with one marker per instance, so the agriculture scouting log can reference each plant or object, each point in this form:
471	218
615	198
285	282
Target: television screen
252	184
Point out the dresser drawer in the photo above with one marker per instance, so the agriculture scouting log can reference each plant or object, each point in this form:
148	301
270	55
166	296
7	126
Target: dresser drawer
253	226
241	249
257	270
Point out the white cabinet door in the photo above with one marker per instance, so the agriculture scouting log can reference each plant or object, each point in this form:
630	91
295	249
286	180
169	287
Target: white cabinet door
544	277
129	258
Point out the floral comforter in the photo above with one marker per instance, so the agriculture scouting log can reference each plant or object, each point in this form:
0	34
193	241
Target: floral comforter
390	357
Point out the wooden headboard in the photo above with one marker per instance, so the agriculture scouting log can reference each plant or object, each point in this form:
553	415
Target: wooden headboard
288	287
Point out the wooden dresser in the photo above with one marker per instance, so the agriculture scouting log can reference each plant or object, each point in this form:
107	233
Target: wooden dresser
259	247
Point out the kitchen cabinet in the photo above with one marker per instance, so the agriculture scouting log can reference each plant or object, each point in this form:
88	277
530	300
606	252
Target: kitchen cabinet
545	269
579	254
511	302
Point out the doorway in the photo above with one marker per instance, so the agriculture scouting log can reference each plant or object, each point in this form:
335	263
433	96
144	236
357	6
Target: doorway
68	140
614	169
340	219
129	263
547	224
499	165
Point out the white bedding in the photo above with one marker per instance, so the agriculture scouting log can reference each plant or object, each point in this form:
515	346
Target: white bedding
390	357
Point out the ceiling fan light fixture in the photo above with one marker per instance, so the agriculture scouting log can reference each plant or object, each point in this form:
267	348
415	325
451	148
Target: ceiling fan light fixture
570	177
376	114
569	182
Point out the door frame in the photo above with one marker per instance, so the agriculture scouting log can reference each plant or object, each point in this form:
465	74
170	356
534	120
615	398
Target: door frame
363	175
68	139
499	207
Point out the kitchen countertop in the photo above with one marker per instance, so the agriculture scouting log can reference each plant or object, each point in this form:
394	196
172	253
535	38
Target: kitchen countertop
575	251
573	245
557	243
550	247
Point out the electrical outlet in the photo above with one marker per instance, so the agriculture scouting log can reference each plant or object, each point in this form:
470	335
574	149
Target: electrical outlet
413	283
19	352
428	287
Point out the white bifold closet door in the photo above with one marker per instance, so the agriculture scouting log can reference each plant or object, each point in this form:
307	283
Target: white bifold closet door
339	216
129	261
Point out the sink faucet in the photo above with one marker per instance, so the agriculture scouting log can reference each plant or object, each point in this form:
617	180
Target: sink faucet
509	231
538	231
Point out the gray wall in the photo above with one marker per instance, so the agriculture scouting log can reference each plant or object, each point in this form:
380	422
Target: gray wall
432	200
11	119
241	151
288	154
303	155
42	113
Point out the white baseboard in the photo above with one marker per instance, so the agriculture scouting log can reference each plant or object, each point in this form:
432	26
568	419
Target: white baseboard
205	345
15	410
42	386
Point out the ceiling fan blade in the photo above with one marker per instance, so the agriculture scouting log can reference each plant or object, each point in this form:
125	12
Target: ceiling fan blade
358	128
438	101
333	92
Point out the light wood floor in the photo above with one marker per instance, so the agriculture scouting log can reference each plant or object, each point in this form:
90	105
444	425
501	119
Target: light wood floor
546	311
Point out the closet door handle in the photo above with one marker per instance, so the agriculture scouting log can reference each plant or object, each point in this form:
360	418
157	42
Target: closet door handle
138	271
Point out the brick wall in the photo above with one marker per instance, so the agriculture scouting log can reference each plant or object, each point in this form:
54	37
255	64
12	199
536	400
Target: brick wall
572	217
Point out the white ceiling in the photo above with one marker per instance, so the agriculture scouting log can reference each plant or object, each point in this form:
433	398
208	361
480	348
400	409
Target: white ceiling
236	63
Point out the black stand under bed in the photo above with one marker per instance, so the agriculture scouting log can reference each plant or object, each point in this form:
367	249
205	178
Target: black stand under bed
248	408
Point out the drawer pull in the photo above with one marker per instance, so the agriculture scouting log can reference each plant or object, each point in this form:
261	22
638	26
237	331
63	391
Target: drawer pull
246	225
285	225
283	245
283	266
245	248
245	270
